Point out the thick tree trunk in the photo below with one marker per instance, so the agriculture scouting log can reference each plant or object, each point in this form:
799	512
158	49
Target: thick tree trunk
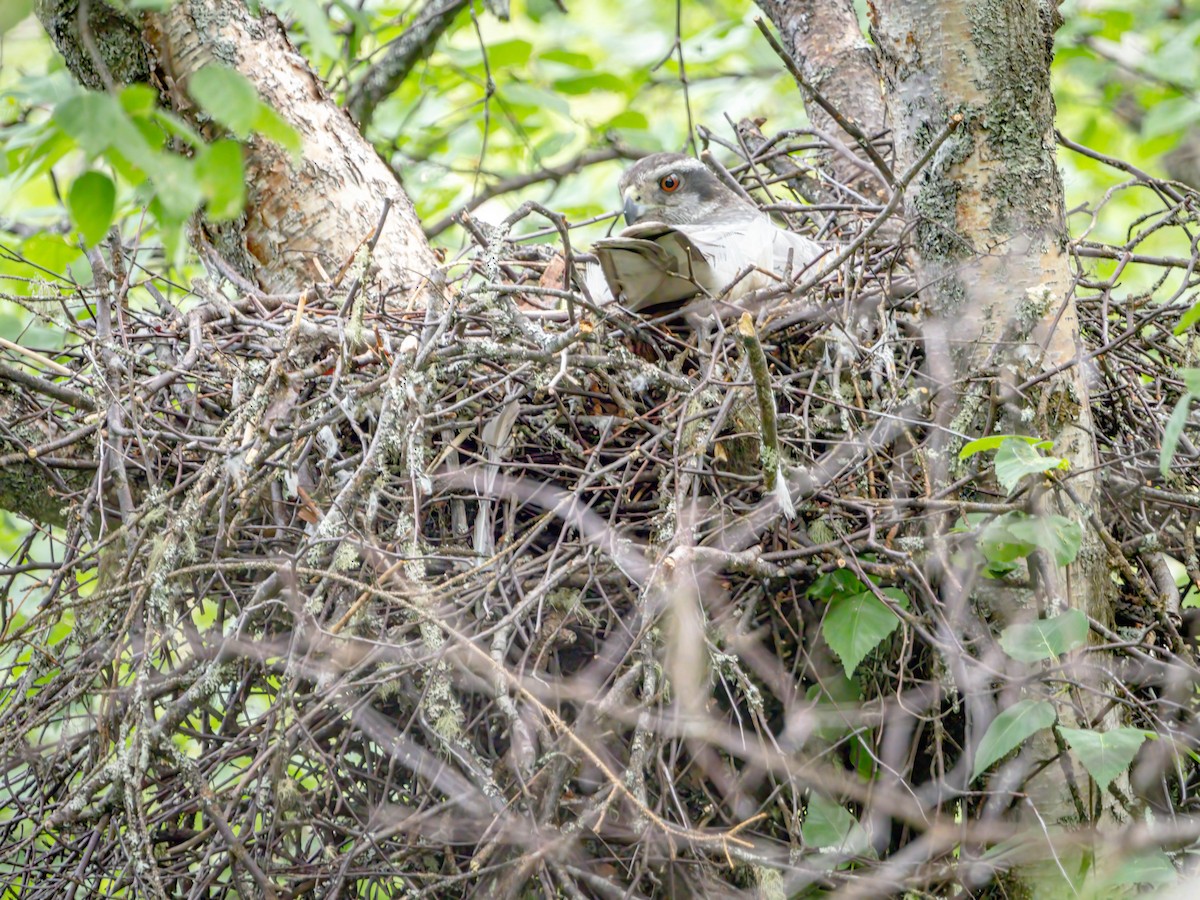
991	234
303	222
328	207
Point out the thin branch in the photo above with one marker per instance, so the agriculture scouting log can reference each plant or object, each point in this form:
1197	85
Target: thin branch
552	174
845	124
388	73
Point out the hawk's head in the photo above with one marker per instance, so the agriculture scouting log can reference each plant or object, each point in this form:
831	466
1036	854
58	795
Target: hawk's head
678	190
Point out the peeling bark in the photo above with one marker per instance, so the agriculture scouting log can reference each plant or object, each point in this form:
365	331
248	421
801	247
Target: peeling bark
326	209
302	222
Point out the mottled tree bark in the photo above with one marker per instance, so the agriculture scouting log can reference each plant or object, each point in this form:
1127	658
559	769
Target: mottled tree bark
991	235
304	221
321	210
398	58
328	206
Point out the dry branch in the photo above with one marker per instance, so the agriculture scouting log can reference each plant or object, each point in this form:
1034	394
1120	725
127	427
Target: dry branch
472	601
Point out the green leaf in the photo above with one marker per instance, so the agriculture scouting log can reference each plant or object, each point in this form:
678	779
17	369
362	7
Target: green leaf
231	99
1169	115
834	688
13	12
855	625
1009	730
838	583
170	229
534	98
1189	318
862	759
139	100
219	170
175	186
1045	638
1057	534
92	120
832	696
50	145
226	96
829	826
1172	432
1017	458
984	444
153	145
98	123
92	202
176	127
999	545
633	120
510	53
586	84
568	57
1105	754
50	252
1151	866
1191	380
554	143
311	15
1015	535
271	125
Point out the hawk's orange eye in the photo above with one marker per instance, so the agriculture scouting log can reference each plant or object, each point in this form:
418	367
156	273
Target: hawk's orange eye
669	182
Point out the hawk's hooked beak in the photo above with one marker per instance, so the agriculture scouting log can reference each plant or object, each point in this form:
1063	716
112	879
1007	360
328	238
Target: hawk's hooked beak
633	211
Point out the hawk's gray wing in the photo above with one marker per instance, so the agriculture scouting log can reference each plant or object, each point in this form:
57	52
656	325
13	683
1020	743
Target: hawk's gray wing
652	263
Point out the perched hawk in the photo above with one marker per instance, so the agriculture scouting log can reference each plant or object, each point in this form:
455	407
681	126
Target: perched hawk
689	235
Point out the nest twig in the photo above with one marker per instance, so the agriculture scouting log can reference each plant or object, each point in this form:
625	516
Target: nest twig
475	597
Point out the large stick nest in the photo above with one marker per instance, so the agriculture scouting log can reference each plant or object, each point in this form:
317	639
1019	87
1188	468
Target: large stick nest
496	594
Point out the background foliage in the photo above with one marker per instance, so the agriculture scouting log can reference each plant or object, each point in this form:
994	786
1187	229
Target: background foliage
497	100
